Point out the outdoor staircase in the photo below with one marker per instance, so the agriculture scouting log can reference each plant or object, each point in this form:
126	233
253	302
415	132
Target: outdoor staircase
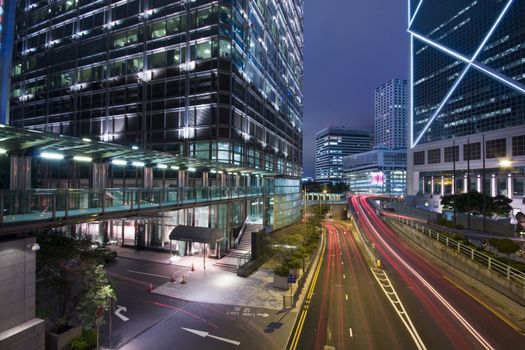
244	246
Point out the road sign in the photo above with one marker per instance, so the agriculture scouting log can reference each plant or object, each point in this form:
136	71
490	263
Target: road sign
99	312
291	278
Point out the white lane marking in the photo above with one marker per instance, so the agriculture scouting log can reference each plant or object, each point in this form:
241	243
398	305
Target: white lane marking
346	296
148	274
204	334
438	296
119	315
351	332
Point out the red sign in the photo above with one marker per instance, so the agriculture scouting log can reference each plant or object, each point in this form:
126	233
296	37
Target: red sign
99	312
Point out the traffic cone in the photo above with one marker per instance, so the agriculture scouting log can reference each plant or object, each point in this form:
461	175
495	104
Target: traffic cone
172	278
192	268
150	287
183	281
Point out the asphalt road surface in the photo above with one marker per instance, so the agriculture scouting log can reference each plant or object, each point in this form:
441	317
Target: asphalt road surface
142	320
444	314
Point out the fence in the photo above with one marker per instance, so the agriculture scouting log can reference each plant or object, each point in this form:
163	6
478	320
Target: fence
512	274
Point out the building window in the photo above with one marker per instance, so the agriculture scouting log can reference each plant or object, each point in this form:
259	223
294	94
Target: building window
434	156
472	151
518	145
517	186
451	154
496	148
419	158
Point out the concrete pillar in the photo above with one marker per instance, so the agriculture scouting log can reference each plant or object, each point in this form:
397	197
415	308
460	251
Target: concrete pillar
465	184
19	329
432	185
99	175
509	186
205	179
478	184
181	178
20	177
493	188
453	185
442	185
237	180
148	177
222	179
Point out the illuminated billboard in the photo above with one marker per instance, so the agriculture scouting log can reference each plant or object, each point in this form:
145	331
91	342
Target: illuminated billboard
377	178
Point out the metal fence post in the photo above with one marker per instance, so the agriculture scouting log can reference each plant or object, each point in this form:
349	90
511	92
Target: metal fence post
508	272
66	208
139	199
490	262
54	205
446	241
471	254
437	236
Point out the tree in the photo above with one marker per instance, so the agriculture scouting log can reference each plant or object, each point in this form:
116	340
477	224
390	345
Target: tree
97	291
473	204
66	270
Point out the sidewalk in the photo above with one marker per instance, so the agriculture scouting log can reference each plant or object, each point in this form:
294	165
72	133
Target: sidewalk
212	285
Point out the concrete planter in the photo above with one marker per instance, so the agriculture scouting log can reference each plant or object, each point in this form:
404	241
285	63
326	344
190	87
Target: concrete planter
280	282
61	341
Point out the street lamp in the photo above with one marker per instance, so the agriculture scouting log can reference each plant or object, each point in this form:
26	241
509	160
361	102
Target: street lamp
505	163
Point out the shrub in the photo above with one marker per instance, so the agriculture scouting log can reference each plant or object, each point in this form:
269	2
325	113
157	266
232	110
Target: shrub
281	270
459	227
79	344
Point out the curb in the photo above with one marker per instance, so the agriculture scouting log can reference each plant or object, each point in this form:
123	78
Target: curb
306	287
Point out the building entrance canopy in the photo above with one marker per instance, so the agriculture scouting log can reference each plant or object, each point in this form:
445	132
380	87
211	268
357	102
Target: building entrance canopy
196	234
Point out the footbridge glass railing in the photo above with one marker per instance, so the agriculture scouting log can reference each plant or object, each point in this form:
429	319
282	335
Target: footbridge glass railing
49	204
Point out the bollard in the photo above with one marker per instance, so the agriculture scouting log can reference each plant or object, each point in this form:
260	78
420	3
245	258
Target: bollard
192	268
173	279
183	281
378	263
150	287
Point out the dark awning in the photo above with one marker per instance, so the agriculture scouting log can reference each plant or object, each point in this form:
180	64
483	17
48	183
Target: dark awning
196	234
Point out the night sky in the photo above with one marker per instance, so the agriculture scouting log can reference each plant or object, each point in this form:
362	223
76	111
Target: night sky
351	47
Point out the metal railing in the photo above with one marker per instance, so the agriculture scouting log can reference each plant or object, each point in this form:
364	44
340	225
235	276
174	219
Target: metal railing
244	259
52	204
492	264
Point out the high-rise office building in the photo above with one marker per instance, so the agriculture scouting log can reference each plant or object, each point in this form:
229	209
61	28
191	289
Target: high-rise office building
334	143
467	122
219	80
7	18
390	117
380	171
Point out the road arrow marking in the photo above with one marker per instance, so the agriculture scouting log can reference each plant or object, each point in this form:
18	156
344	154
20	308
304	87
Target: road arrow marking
118	313
264	315
204	334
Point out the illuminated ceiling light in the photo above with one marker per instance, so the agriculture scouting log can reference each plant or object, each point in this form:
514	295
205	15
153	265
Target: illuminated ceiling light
82	159
220	172
191	169
51	155
138	164
134	147
175	167
119	162
3	151
213	171
2	125
85	139
162	166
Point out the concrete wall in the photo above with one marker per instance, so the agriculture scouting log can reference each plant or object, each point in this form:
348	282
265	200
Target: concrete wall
453	261
19	329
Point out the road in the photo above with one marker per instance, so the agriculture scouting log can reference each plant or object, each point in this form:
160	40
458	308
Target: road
444	314
150	321
348	309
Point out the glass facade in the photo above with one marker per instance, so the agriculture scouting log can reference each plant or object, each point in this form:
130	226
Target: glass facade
381	171
468	71
331	145
390	116
7	13
219	80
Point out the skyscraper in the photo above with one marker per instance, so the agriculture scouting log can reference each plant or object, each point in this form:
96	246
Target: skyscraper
467	122
390	118
334	143
219	80
7	17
